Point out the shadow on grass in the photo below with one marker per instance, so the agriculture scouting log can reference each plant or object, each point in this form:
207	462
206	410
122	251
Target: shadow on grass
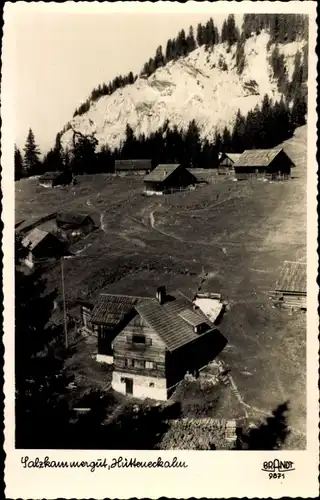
136	428
270	435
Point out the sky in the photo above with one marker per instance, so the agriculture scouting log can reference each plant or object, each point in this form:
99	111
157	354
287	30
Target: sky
57	56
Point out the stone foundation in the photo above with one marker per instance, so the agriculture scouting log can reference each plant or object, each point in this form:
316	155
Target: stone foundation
143	387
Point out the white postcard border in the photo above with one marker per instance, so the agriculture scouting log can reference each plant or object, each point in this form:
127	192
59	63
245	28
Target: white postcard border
216	474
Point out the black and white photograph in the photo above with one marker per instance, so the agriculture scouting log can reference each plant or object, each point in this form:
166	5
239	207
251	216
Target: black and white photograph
160	193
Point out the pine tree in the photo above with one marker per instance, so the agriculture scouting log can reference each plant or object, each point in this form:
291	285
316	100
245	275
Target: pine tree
224	32
31	161
53	160
199	35
169	51
240	57
191	43
248	25
233	32
181	44
299	109
267	121
297	76
192	144
83	154
159	58
130	78
18	164
279	70
238	133
230	32
226	140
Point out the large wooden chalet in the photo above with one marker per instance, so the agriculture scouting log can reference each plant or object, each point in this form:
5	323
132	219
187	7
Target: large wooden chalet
166	178
152	342
133	167
263	163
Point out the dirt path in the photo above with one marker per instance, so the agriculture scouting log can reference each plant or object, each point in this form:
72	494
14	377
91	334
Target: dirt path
255	409
102	224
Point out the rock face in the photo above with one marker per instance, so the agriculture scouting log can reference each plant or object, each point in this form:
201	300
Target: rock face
203	86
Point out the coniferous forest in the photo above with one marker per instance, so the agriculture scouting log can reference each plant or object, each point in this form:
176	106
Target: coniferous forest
264	127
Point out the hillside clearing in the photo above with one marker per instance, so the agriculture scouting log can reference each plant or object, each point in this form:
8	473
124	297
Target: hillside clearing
239	233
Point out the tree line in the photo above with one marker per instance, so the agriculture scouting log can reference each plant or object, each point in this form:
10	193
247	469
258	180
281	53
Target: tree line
263	127
83	155
283	28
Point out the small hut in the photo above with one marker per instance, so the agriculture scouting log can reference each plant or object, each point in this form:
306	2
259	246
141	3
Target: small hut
263	164
166	178
226	162
52	179
133	167
291	288
42	246
74	224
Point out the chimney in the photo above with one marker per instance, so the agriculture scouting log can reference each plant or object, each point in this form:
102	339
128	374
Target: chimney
161	294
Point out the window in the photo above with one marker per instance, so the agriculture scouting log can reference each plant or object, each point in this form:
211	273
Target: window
137	321
137	363
138	339
149	365
151	384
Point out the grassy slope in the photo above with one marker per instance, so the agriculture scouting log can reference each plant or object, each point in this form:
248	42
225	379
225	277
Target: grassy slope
239	233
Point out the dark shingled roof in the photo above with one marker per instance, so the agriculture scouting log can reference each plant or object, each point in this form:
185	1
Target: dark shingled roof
133	164
50	176
165	319
71	218
112	309
293	277
257	157
161	172
173	321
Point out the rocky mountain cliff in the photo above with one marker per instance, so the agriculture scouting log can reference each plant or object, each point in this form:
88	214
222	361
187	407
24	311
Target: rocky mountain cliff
205	86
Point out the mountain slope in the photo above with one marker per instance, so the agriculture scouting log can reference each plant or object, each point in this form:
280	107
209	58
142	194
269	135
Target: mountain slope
204	86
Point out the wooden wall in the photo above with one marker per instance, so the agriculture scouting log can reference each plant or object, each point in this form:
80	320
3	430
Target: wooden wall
125	350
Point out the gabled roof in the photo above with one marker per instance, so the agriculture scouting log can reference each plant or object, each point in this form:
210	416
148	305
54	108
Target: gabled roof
165	319
161	172
174	320
50	176
142	164
293	277
257	157
72	218
233	156
32	239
